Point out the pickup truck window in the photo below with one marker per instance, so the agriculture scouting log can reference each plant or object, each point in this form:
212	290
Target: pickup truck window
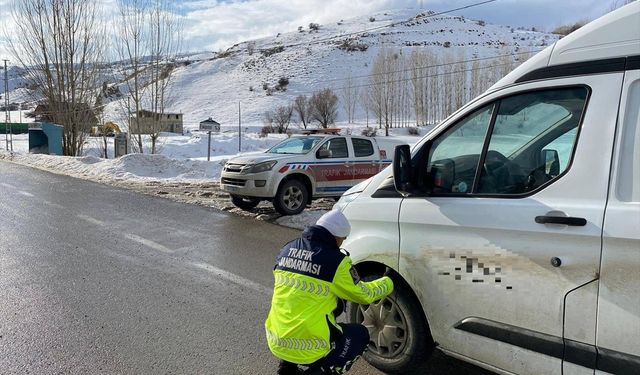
295	145
362	147
337	148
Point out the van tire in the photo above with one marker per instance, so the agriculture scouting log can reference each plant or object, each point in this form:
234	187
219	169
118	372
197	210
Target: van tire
244	203
418	345
291	198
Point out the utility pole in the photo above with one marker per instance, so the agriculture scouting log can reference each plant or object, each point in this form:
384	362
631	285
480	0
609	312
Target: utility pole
239	129
7	115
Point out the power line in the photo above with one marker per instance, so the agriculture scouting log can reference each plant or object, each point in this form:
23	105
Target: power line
435	65
385	26
426	76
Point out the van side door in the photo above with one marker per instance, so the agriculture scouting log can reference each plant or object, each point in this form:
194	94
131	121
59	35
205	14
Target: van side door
618	336
509	223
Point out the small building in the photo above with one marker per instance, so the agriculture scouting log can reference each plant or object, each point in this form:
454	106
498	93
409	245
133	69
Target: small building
148	122
210	125
83	115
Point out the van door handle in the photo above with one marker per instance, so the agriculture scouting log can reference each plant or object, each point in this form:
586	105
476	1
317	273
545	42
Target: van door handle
564	220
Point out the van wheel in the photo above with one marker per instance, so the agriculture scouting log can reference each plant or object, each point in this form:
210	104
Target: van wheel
244	203
399	340
291	198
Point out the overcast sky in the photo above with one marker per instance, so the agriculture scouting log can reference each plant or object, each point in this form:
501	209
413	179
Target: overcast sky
216	24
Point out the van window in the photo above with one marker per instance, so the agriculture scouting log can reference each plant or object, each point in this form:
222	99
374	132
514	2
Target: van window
337	148
455	154
532	140
362	147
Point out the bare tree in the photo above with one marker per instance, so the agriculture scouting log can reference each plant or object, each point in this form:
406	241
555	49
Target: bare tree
324	107
383	83
60	45
302	108
164	47
149	41
615	4
350	95
279	119
132	47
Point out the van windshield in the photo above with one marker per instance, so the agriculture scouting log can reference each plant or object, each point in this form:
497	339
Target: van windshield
295	145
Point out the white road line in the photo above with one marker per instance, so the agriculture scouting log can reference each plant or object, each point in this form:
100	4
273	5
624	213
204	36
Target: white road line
7	185
233	277
54	205
149	243
26	193
90	220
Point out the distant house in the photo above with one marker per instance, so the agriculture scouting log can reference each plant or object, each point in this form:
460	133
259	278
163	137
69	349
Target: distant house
148	122
55	113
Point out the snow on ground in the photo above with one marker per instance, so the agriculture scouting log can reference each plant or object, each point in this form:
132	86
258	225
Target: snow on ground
181	160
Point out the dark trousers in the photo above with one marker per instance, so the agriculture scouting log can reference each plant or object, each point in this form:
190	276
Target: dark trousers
349	345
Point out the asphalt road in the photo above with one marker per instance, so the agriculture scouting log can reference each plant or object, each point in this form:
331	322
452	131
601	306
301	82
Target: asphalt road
96	279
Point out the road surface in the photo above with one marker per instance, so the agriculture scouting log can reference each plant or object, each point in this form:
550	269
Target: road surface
96	279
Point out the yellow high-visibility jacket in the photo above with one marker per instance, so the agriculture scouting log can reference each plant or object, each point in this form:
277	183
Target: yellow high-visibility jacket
311	273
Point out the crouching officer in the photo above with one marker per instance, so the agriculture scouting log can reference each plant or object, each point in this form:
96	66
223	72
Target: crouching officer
312	274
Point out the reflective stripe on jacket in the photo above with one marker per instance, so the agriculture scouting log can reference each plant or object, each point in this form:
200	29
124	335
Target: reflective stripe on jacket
311	273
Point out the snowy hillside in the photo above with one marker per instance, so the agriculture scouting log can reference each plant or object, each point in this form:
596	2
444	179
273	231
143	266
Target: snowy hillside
212	84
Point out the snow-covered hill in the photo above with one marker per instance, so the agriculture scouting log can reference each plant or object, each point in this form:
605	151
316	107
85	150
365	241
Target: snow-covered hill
212	84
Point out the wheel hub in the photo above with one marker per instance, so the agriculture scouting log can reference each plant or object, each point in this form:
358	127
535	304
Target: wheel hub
387	327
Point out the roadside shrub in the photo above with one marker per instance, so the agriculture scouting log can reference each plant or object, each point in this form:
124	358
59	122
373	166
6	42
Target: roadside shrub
413	130
481	23
372	19
446	44
369	132
266	130
314	27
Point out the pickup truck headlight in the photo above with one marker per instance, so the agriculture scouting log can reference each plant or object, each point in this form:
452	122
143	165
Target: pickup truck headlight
260	167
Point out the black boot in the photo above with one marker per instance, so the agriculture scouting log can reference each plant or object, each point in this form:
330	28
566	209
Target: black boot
288	368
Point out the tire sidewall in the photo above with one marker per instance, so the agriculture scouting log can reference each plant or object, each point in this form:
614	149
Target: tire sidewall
416	348
279	204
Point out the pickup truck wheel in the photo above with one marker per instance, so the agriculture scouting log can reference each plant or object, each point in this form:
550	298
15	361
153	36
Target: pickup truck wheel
291	198
244	203
400	340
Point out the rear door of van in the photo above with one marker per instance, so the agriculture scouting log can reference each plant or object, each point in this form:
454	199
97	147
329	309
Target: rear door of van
618	333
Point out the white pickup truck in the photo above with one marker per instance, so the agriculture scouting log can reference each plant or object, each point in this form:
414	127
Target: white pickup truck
302	168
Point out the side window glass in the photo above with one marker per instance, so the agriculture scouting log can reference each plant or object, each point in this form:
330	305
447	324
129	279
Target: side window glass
454	155
362	147
532	140
334	148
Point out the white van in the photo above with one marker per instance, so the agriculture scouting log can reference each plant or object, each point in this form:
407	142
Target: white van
513	228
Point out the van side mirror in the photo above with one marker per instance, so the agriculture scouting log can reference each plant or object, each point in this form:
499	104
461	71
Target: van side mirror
323	154
402	169
551	162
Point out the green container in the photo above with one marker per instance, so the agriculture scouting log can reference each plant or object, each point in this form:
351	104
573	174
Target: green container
16	128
